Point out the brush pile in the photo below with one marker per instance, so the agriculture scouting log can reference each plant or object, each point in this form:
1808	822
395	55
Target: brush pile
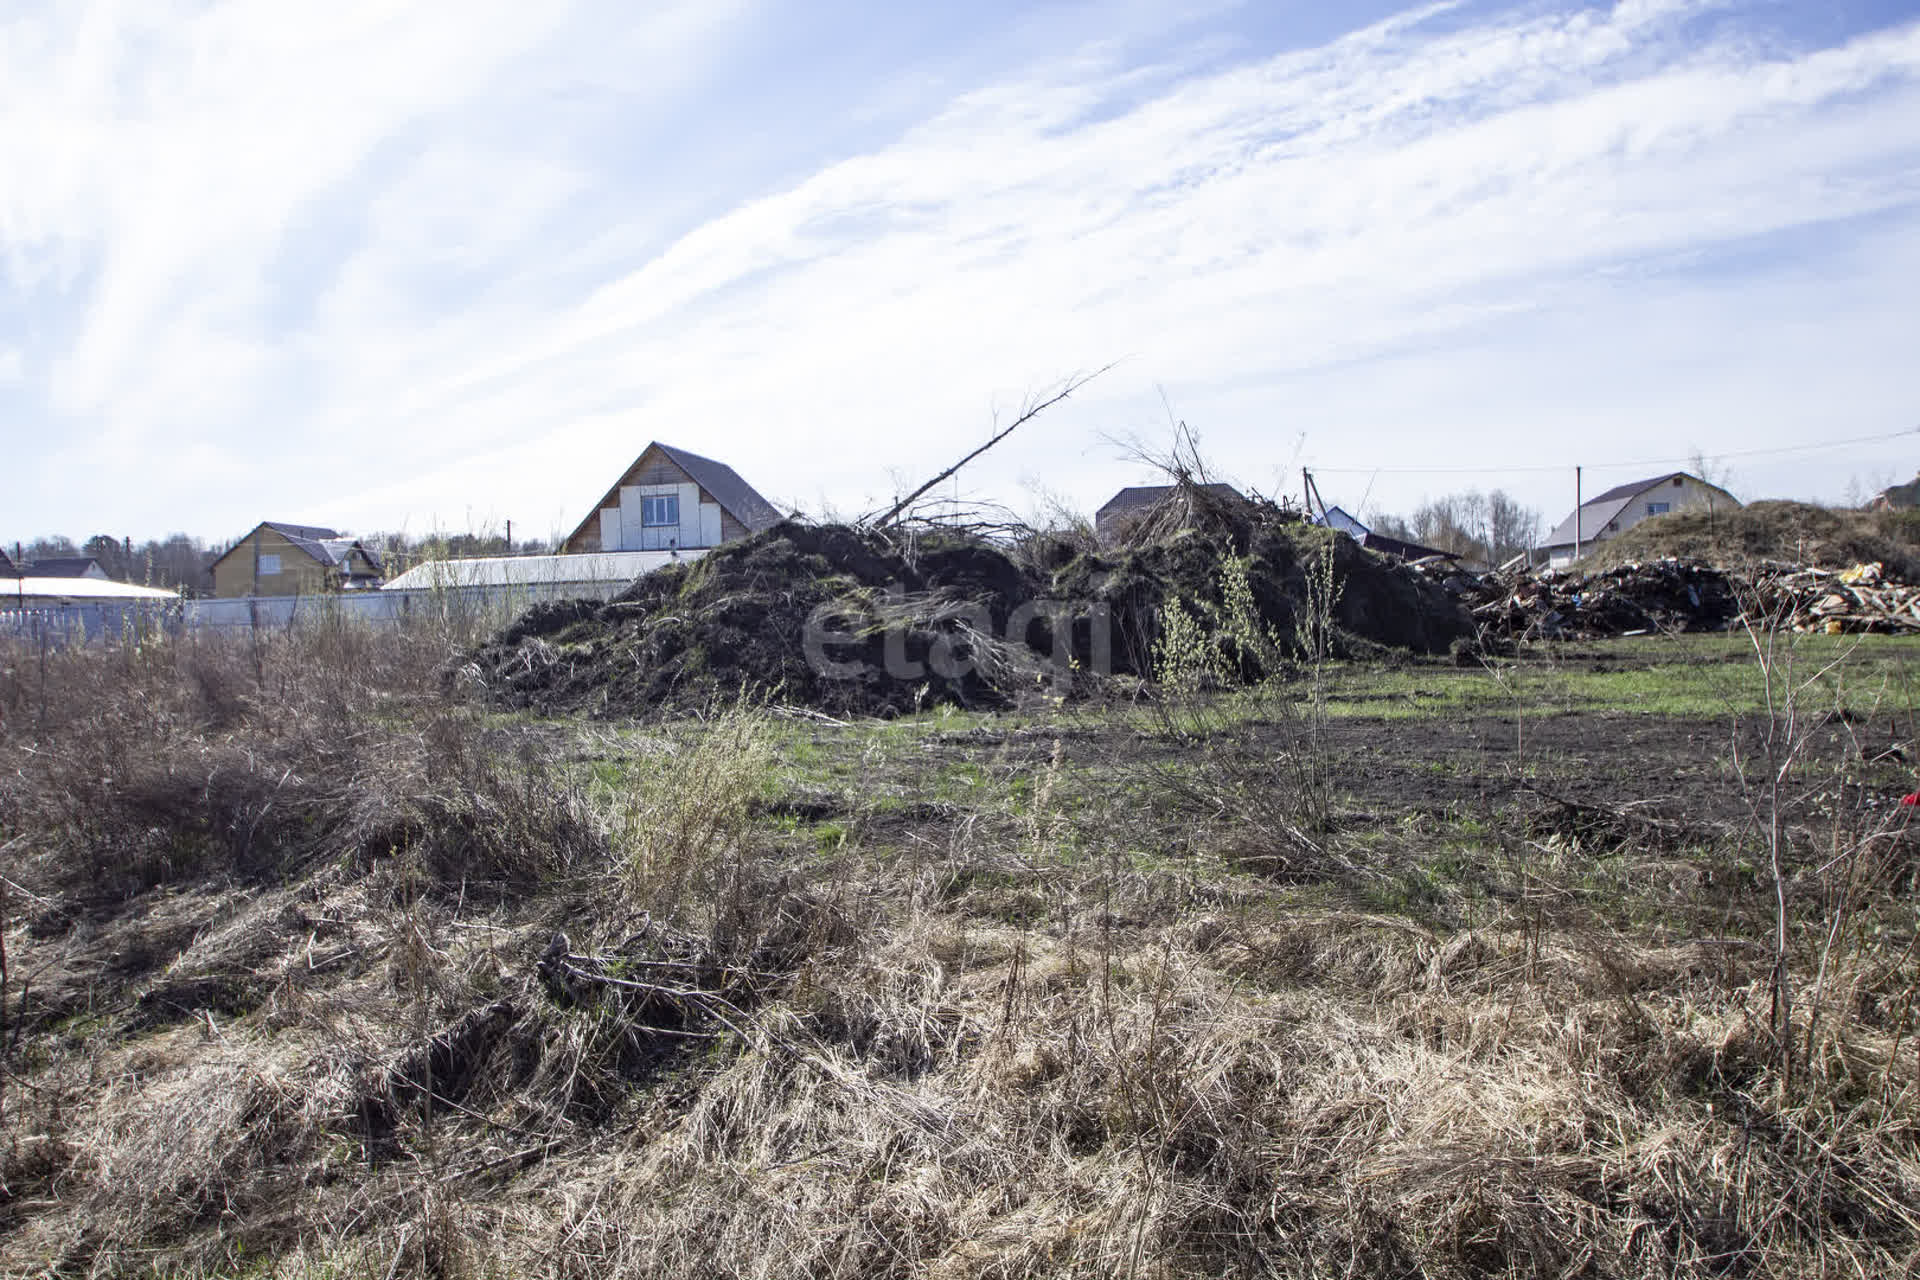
1662	595
852	620
1674	595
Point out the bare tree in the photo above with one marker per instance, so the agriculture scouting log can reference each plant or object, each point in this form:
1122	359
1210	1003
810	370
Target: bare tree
50	548
110	553
1455	523
175	561
1491	527
1511	527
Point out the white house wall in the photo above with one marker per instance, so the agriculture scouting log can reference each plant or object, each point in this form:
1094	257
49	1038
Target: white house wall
1688	495
622	528
690	516
634	533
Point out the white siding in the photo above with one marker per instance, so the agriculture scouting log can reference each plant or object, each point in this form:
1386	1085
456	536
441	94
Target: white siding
623	528
689	533
630	518
639	536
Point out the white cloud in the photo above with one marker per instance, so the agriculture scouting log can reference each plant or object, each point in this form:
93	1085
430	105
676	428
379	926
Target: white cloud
424	253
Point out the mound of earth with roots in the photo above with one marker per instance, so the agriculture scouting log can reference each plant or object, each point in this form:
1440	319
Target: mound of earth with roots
1299	579
1775	532
852	621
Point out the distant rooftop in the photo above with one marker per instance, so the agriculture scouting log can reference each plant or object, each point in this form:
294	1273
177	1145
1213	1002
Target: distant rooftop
1145	495
498	571
15	592
63	567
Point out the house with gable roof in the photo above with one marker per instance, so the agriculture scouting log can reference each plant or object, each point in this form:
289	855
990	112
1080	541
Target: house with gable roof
1386	545
1119	513
671	499
63	567
281	559
1625	505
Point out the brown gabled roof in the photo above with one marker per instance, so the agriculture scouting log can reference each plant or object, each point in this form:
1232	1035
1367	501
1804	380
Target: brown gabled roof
1137	496
735	496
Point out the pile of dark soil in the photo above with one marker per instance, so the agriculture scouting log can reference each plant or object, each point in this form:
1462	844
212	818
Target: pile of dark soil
1376	602
1790	533
834	618
850	621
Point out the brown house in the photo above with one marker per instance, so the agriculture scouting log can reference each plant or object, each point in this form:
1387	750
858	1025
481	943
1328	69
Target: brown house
672	500
279	559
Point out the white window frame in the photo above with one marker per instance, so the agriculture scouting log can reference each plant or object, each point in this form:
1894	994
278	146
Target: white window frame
1659	508
660	511
269	564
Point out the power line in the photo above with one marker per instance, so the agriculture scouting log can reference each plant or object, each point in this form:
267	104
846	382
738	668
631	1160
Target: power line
1621	466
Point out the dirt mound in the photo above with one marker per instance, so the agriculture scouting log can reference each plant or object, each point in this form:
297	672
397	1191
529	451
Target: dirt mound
851	621
1791	533
1374	601
830	617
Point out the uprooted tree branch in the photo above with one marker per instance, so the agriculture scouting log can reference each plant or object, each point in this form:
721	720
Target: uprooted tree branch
1070	386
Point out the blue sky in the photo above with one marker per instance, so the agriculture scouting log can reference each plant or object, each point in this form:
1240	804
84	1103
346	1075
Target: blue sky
439	265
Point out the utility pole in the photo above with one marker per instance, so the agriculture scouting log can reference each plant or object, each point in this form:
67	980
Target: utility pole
1312	495
1576	513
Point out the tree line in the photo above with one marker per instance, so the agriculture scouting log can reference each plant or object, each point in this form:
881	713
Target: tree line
182	563
1490	528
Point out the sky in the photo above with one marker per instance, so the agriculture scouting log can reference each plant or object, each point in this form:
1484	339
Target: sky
442	264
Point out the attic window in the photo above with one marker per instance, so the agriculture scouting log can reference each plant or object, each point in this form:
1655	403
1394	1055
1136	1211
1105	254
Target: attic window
660	512
1676	482
269	564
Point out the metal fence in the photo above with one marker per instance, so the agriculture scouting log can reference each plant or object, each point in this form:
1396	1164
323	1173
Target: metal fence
60	625
118	621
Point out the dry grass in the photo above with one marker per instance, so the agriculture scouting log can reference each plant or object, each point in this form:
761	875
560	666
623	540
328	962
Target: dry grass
317	974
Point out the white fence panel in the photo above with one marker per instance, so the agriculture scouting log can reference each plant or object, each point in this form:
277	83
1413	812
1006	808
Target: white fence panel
110	622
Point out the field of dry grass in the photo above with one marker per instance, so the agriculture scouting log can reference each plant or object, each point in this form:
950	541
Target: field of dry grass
315	966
